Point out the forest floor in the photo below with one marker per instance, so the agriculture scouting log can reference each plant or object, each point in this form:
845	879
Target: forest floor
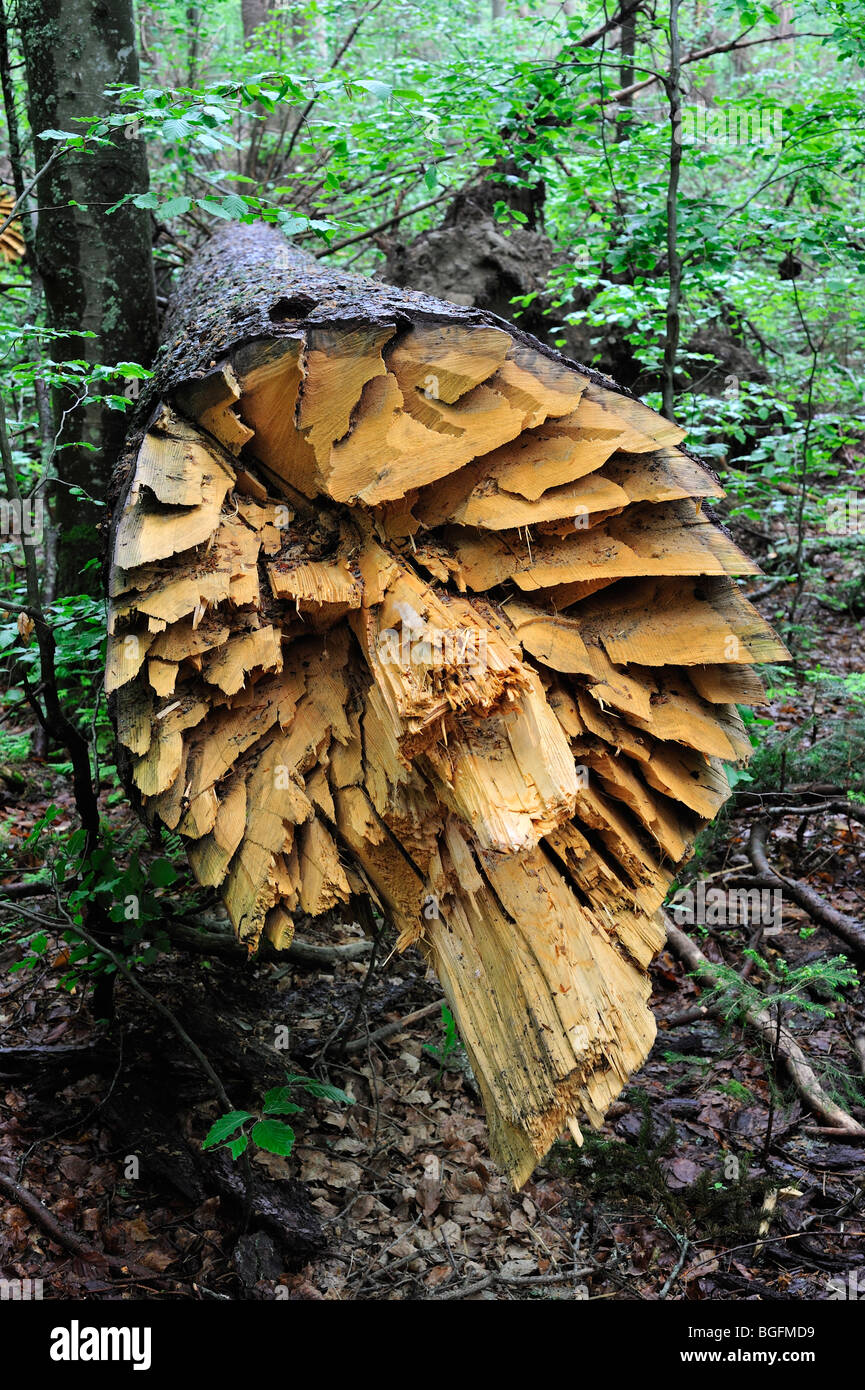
678	1197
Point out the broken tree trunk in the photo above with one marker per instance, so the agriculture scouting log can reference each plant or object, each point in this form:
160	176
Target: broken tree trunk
403	603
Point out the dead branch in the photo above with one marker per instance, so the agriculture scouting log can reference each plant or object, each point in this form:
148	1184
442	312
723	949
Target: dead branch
782	1042
391	1029
841	924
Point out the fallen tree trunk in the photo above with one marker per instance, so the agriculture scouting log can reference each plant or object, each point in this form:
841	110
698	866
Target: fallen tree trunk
403	603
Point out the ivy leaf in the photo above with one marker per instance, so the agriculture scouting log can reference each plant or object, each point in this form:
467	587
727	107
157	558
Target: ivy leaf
226	1124
274	1136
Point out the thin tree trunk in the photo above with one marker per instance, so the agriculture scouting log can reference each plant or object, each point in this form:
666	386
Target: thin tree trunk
193	21
253	14
627	45
97	270
43	400
674	262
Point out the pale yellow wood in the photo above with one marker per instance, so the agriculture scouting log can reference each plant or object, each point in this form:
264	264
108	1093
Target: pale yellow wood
177	492
212	402
446	360
677	622
134	718
315	583
270	375
512	779
229	665
723	684
669	539
525	949
323	882
662	476
160	765
125	657
162	675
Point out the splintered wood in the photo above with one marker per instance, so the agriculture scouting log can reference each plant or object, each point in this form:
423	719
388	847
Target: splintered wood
404	605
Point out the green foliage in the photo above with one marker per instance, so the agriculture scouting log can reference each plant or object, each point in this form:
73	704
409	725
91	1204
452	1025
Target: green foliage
115	882
14	748
268	1133
633	1173
451	1051
735	997
827	747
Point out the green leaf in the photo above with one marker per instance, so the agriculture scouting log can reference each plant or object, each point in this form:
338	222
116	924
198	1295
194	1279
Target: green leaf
274	1136
321	1089
175	207
212	206
235	206
383	90
224	1126
162	873
238	1146
278	1102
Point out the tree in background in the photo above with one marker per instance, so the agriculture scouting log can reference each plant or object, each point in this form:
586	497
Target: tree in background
94	257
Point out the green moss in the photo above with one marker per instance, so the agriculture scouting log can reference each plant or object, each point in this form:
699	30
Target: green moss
632	1174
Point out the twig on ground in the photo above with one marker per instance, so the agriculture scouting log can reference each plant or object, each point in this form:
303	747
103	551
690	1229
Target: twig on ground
390	1029
684	1247
48	1223
514	1281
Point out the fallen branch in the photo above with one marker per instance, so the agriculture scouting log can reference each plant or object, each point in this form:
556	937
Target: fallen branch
191	938
781	1041
13	891
841	923
391	1029
307	954
826	808
61	1235
518	1281
823	1132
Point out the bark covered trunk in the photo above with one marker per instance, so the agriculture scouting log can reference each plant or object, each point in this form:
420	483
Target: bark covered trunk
96	270
404	603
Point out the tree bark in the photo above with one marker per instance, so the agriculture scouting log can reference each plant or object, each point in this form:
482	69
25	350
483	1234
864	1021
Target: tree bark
674	260
253	14
96	269
627	44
